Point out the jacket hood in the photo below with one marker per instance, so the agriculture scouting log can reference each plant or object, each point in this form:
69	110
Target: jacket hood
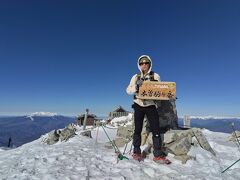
150	68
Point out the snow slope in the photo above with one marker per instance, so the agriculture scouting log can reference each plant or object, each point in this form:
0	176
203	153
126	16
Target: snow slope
86	158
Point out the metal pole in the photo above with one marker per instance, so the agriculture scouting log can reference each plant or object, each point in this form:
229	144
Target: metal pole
112	143
120	155
85	119
230	166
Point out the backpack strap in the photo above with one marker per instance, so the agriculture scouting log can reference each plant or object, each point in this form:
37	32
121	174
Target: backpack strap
151	74
138	78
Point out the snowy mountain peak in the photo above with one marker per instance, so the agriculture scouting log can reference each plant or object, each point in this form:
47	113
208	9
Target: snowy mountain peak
41	114
214	117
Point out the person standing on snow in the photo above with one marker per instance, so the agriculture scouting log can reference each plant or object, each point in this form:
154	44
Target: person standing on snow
145	107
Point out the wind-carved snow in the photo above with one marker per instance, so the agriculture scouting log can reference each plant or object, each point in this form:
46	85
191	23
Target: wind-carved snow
122	120
87	158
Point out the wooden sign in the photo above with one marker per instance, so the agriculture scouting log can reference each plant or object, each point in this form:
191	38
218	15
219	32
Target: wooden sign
157	90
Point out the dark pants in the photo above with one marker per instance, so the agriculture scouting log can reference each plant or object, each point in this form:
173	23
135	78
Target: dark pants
153	118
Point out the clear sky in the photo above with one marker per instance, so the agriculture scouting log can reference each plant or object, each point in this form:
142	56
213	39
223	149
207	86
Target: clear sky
65	56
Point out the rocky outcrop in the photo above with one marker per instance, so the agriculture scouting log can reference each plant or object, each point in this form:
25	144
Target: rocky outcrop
86	133
61	135
67	132
234	136
119	142
124	135
53	137
125	131
177	142
180	146
202	140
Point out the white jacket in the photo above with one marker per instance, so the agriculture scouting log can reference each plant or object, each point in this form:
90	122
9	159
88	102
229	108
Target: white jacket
131	89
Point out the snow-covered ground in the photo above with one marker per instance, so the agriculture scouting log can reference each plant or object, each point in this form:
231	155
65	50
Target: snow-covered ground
85	158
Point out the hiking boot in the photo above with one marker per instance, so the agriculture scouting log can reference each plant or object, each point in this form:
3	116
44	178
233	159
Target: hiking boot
137	156
161	160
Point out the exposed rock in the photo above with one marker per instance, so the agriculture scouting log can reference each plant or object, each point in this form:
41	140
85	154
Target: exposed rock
62	135
100	123
237	133
203	140
170	136
67	132
196	135
52	138
184	133
233	136
120	142
86	133
125	131
195	142
180	147
178	142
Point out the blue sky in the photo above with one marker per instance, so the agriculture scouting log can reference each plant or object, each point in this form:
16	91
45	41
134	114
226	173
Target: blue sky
65	56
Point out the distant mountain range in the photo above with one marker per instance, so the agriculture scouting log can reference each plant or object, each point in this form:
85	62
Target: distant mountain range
217	124
23	129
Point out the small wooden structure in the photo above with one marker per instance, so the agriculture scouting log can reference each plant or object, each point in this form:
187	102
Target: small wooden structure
118	113
91	118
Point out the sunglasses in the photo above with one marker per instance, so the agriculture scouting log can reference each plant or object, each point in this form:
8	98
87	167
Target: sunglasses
144	63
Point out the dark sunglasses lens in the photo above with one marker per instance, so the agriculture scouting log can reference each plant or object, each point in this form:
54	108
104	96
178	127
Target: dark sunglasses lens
143	63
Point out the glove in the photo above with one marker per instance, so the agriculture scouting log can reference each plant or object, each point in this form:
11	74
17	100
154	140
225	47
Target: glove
138	84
